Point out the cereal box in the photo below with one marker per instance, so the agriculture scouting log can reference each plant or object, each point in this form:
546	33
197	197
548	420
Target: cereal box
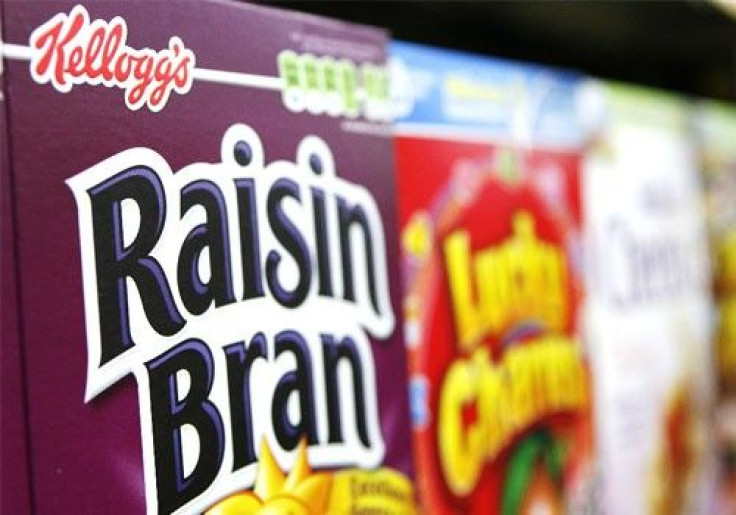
716	136
204	230
715	125
648	302
488	157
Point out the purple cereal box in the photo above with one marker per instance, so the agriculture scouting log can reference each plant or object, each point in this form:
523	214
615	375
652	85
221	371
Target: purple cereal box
14	488
199	229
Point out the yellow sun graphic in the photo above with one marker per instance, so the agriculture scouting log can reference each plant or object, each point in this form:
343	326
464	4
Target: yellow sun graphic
300	493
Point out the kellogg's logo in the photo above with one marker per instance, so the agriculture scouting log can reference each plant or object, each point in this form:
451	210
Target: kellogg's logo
69	50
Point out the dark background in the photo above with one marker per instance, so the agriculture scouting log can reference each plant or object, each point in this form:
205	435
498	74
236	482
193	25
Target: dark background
685	46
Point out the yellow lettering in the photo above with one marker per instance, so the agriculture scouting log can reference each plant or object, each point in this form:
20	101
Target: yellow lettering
457	257
520	279
532	380
461	450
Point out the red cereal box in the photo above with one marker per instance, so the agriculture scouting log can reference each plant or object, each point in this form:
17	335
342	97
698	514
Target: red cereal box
488	157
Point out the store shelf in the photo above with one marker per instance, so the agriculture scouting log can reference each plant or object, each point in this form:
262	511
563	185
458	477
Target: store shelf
688	47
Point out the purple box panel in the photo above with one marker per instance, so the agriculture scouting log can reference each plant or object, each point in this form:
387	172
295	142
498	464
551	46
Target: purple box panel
14	487
206	231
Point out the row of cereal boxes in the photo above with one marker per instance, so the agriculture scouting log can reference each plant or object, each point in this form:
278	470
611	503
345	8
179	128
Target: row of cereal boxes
261	262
